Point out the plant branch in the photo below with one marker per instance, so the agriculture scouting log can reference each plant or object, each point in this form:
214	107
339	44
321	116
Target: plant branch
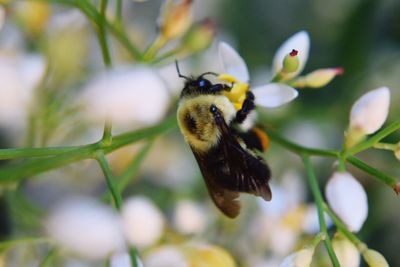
319	201
52	158
375	138
112	187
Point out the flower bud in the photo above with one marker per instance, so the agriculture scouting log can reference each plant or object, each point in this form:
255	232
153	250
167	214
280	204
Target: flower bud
321	77
299	41
290	62
369	112
175	19
200	36
347	199
346	252
374	258
33	15
143	222
301	258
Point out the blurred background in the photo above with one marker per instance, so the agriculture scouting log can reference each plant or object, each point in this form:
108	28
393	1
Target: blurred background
52	82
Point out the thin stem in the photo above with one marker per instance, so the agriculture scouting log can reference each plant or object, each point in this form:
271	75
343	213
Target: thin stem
375	139
58	157
109	179
298	149
102	34
152	51
47	260
342	227
118	14
319	201
385	178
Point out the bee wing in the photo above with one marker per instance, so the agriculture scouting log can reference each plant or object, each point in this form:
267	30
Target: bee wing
229	168
243	170
224	199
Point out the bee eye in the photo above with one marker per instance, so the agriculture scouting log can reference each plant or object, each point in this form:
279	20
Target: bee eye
213	109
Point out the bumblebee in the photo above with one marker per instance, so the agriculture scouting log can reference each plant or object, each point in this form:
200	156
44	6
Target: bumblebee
226	155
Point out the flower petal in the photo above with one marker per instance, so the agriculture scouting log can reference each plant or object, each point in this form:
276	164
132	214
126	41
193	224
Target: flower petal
300	258
346	252
300	42
369	112
274	95
232	62
347	199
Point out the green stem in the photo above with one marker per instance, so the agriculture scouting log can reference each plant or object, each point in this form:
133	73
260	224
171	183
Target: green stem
101	158
102	34
118	13
93	15
300	149
387	179
375	139
151	52
342	227
58	157
4	245
319	201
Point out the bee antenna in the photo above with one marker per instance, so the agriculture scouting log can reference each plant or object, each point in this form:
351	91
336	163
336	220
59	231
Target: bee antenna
179	72
209	73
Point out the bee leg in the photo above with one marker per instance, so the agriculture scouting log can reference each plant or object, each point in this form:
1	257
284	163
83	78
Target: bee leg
247	107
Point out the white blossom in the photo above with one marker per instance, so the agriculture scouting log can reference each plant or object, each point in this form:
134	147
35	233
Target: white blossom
268	95
167	256
301	258
300	42
233	63
347	199
369	112
131	96
274	95
86	228
310	222
143	222
189	217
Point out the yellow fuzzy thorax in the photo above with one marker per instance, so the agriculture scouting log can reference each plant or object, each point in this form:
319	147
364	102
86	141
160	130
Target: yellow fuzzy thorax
206	134
237	94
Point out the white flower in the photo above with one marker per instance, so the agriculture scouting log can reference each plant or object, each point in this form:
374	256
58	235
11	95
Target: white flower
19	76
123	260
143	222
131	96
347	199
189	217
232	62
167	256
369	112
86	228
301	258
270	95
300	42
346	252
